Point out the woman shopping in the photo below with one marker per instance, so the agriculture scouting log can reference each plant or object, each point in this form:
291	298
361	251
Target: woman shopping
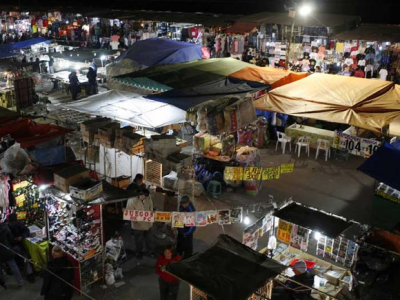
169	285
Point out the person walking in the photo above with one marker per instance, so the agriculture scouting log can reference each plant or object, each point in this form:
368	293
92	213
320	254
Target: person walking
169	285
20	232
137	184
7	255
74	85
51	65
58	277
184	245
142	230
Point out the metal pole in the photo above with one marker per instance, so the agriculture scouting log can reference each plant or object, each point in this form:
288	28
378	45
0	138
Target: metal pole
289	45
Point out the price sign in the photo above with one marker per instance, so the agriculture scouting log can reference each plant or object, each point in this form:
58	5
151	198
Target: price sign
19	200
21	215
252	173
233	173
284	231
287	168
355	145
271	173
138	215
20	185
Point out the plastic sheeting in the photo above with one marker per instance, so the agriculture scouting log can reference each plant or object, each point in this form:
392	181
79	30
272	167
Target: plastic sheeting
383	165
313	219
364	103
227	270
156	51
189	97
181	76
24	44
273	76
130	108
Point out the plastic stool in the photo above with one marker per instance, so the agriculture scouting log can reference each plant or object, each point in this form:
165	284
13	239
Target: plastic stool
214	188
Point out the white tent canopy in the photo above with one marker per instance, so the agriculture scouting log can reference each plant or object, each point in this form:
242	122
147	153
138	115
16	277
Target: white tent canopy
130	108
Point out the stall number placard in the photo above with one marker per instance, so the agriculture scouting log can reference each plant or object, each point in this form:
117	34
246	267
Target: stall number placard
355	145
233	173
284	232
138	215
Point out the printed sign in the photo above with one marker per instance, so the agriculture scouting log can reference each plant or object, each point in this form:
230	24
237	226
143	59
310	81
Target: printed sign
284	231
271	173
19	200
21	215
178	219
201	218
212	217
138	215
236	215
190	219
355	145
163	216
252	173
387	196
20	185
233	173
287	168
224	217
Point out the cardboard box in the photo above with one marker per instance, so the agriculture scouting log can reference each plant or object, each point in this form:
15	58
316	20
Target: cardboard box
334	275
93	124
349	284
121	182
88	190
70	176
321	268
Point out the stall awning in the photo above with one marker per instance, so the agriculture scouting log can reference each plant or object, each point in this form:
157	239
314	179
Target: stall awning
24	44
242	27
81	55
383	165
364	103
227	270
156	51
187	98
313	219
130	108
4	55
145	83
273	76
28	134
180	76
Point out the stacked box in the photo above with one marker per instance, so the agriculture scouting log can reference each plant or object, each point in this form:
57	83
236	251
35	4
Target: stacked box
161	145
71	175
178	161
107	134
90	128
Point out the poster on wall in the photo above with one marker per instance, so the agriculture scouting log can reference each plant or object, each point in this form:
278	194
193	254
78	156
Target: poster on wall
284	232
299	238
355	145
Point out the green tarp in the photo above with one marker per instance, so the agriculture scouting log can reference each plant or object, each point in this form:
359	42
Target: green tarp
184	75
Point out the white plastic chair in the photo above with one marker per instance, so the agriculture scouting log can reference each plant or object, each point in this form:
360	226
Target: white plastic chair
283	139
303	141
323	145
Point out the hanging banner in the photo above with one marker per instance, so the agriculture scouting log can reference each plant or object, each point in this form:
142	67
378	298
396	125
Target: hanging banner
190	219
252	173
287	168
271	173
20	185
201	218
178	220
21	215
212	217
355	145
233	173
224	217
163	216
284	231
19	200
236	215
138	216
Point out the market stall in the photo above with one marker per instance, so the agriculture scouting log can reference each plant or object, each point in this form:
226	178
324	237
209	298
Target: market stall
297	130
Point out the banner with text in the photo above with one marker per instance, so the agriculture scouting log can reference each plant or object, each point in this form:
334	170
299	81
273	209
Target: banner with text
355	145
256	173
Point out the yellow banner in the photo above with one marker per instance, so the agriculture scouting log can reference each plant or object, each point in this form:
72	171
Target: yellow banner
271	173
163	216
233	173
284	231
21	215
19	200
287	168
252	173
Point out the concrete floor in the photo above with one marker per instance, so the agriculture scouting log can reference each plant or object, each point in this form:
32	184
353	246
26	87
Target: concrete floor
335	186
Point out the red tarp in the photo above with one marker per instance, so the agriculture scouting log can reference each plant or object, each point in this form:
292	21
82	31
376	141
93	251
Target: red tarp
28	134
241	27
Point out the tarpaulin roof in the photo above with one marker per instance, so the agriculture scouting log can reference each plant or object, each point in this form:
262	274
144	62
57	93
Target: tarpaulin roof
24	44
273	76
156	51
83	54
189	97
241	27
28	134
383	165
365	103
144	83
313	219
227	270
179	76
130	108
4	55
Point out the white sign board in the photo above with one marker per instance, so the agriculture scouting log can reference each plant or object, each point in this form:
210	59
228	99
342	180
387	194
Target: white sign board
355	145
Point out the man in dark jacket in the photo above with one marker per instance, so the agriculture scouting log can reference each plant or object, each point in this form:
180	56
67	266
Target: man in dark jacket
184	245
58	278
6	253
91	75
137	184
74	85
20	232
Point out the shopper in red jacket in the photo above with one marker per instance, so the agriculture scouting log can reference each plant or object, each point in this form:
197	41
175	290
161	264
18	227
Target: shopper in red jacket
169	285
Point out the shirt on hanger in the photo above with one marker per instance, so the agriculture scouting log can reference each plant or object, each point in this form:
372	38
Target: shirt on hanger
383	74
369	69
339	47
348	61
361	62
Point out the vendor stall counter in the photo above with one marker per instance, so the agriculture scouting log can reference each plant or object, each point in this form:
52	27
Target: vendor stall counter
295	131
